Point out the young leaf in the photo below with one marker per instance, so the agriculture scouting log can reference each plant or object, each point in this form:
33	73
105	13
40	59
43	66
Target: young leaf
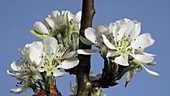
41	36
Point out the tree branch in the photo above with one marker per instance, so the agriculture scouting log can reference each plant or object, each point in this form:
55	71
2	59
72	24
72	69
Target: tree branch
83	69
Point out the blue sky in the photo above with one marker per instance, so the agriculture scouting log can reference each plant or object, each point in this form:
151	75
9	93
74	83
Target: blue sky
18	16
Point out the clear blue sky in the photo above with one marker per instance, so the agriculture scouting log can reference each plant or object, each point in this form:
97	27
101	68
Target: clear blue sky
18	16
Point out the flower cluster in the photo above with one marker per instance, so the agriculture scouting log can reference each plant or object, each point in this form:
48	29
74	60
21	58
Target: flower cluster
121	43
44	59
64	26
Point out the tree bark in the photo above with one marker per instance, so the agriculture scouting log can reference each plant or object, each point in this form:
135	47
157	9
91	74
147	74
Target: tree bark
83	69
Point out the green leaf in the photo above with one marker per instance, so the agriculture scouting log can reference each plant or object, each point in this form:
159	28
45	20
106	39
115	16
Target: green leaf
35	77
39	35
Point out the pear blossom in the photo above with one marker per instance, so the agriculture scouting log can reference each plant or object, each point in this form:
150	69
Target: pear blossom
64	26
21	70
120	41
65	18
24	73
48	56
56	56
57	20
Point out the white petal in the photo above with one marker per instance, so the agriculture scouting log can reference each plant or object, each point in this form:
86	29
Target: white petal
125	20
58	73
35	52
110	54
50	23
121	32
101	29
77	18
142	41
148	54
37	45
50	46
55	13
35	56
16	90
151	63
51	41
130	26
22	52
40	27
85	41
69	14
90	35
28	47
11	74
70	54
113	29
136	30
149	71
121	61
16	66
69	63
86	51
143	58
107	42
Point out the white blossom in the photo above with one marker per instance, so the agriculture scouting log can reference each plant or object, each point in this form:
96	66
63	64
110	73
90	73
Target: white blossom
58	20
121	41
21	70
49	56
24	73
63	26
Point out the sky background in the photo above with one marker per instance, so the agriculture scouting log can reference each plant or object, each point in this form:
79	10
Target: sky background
18	16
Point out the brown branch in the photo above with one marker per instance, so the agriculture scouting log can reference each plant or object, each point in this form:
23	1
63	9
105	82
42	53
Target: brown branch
83	69
108	76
